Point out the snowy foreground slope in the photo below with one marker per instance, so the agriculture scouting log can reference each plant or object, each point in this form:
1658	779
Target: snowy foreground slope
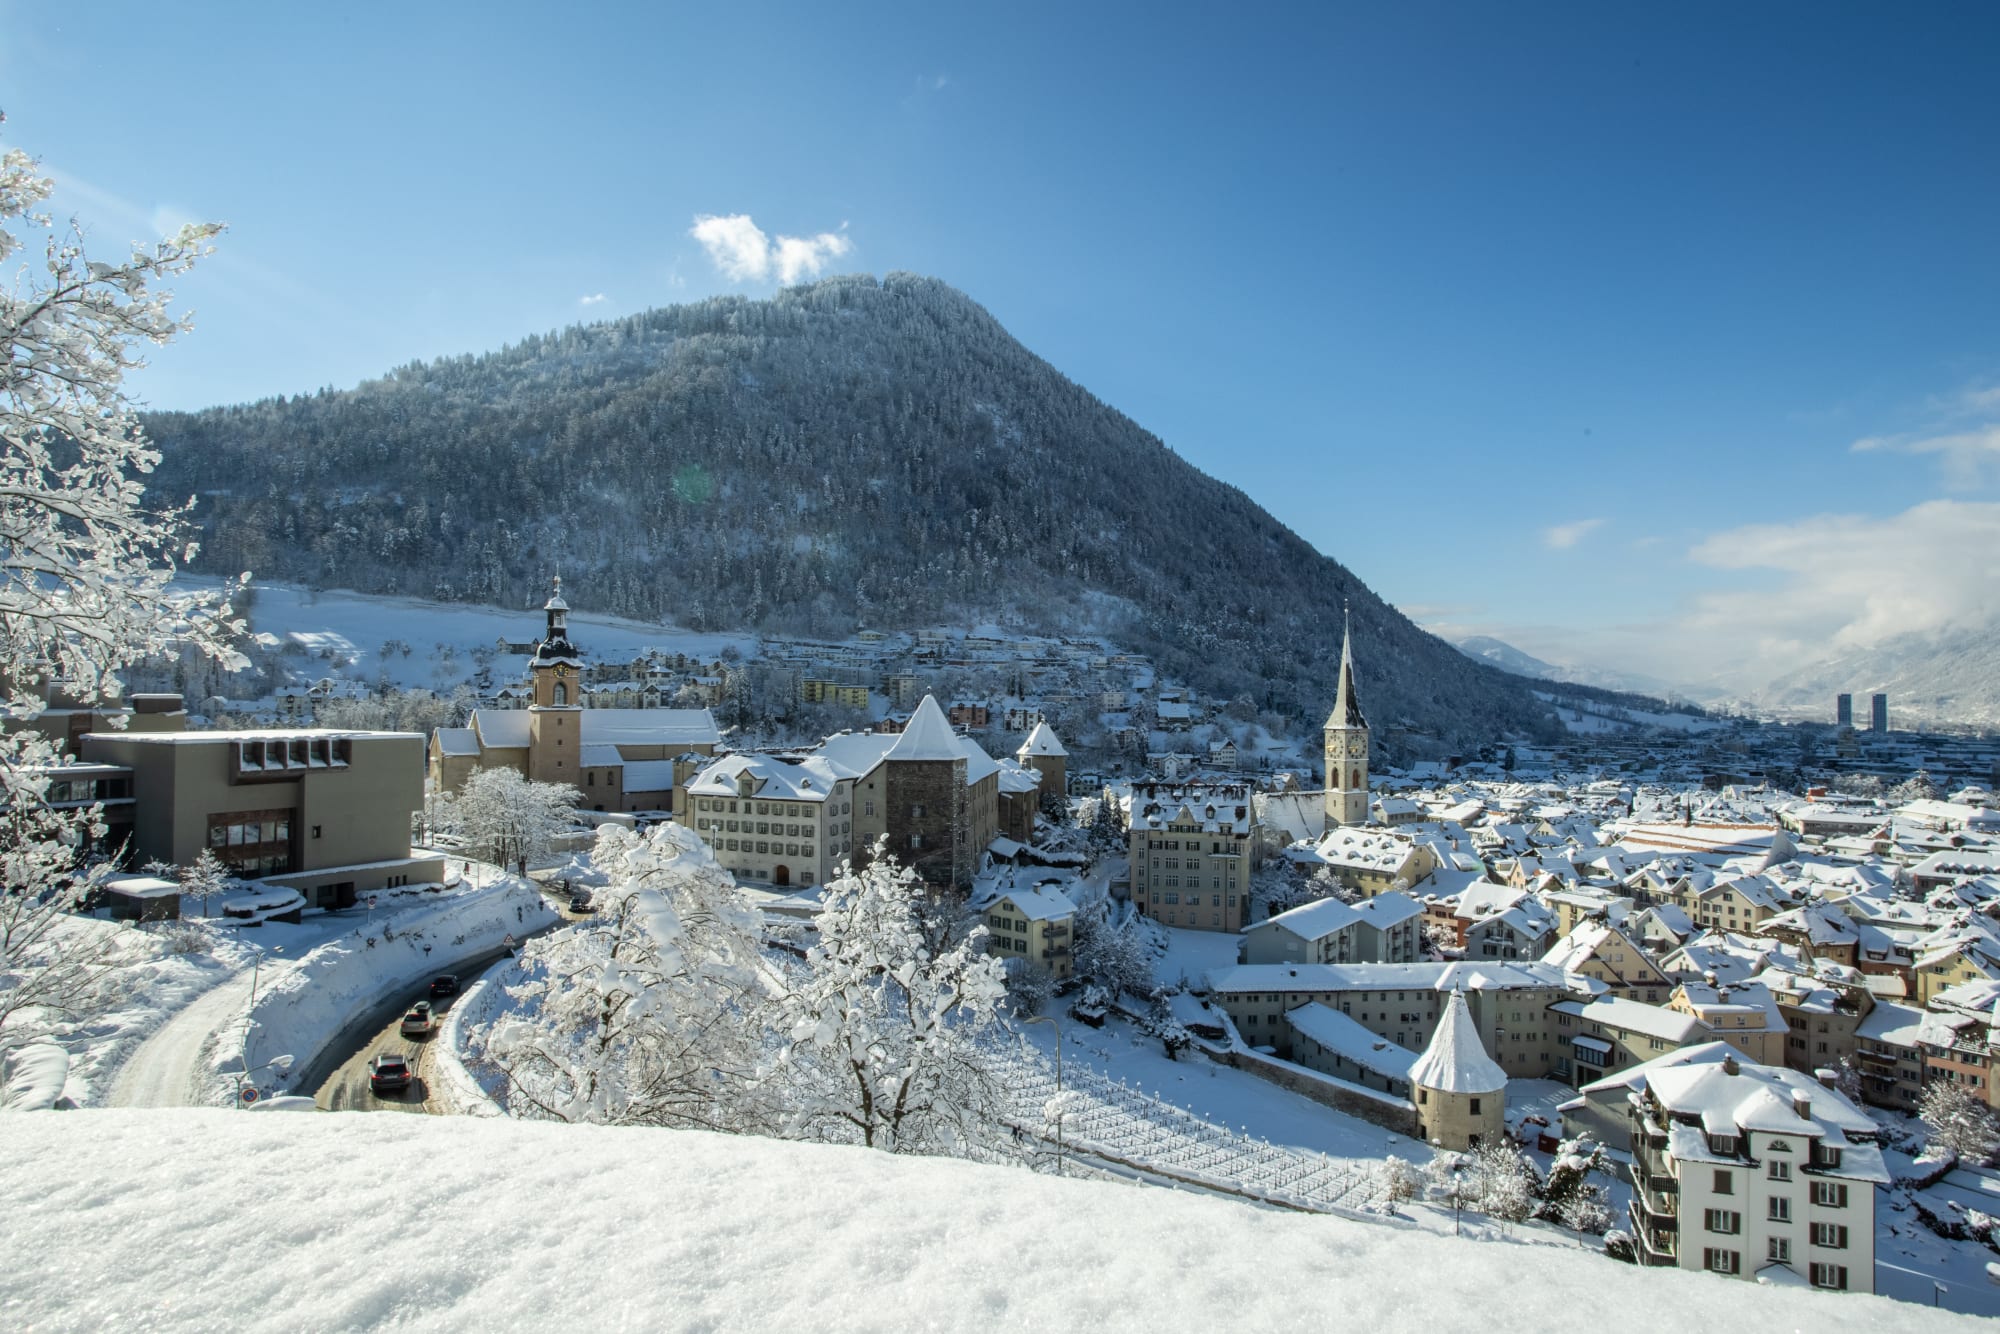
211	1219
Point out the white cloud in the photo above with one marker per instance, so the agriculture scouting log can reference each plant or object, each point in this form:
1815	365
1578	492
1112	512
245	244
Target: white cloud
1849	581
743	252
1964	434
1566	535
1966	455
594	299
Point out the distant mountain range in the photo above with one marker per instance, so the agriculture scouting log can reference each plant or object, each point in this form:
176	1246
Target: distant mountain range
1952	677
1507	658
851	453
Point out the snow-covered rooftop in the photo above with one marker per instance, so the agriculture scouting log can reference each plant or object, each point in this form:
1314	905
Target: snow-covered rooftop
1456	1060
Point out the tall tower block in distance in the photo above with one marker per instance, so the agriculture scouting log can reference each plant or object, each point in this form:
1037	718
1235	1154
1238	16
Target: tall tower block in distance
1843	710
1346	746
1878	713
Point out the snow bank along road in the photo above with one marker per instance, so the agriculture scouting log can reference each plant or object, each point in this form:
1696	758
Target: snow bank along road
169	1068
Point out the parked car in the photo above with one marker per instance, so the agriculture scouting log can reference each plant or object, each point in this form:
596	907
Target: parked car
419	1022
389	1072
444	984
579	900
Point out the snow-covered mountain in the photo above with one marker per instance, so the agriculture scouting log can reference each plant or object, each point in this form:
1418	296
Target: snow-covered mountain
854	452
1951	678
1501	654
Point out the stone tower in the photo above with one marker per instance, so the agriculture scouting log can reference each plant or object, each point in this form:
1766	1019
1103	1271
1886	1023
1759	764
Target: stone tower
1043	752
1460	1091
1346	747
554	719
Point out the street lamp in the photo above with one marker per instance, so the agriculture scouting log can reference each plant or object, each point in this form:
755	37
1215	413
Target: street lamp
254	969
1060	1108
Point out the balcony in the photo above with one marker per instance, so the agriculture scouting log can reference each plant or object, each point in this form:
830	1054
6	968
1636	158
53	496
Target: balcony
1659	1196
1657	1245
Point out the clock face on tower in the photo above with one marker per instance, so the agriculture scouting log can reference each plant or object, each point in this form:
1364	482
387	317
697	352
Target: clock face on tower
1357	746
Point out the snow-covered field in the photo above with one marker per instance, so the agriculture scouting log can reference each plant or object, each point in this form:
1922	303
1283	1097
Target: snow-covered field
503	1225
332	627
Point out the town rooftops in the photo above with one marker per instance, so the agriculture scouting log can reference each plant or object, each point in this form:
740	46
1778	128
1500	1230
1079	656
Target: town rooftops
1304	977
1341	1035
210	738
927	736
772	779
1039	905
507	729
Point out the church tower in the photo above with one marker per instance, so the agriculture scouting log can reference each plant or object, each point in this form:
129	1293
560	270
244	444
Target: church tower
554	730
1346	747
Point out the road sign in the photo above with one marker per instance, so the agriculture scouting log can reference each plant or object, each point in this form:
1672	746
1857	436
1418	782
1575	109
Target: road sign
371	900
249	1093
509	941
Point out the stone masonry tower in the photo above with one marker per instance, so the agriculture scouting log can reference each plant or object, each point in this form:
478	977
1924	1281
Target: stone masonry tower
1346	747
554	731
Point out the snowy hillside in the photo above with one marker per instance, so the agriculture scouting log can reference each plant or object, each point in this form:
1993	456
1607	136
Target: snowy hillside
349	1222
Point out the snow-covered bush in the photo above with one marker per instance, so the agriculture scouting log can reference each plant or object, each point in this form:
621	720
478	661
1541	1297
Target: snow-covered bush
1961	1125
1574	1196
1505	1181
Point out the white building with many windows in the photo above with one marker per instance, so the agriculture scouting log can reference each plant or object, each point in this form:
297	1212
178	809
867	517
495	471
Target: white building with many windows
772	822
1755	1172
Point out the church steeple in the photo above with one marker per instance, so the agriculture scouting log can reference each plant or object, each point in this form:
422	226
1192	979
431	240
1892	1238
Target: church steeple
555	646
554	737
1346	703
1346	744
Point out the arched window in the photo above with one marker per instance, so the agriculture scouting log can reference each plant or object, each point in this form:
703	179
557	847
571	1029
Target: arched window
562	694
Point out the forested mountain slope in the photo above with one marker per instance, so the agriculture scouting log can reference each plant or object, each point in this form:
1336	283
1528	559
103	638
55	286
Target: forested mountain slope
849	453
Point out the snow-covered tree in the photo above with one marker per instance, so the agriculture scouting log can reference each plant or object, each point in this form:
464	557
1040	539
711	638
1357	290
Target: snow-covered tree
649	1012
205	879
1397	1180
85	566
1117	958
884	1037
1574	1195
1959	1121
1505	1180
506	819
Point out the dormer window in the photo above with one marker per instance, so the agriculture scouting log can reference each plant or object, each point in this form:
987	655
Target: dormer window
1722	1144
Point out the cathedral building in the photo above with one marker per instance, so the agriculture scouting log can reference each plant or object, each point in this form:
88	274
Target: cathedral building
630	760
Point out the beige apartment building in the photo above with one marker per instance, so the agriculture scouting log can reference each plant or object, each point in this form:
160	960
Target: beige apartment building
1034	925
1191	846
321	811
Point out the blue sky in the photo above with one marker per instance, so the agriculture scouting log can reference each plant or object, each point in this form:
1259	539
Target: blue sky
1662	337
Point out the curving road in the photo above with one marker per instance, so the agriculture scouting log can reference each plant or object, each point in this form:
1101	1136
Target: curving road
346	1089
167	1069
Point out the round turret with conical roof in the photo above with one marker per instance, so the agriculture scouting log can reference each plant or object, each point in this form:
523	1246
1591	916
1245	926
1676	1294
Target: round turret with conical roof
1460	1091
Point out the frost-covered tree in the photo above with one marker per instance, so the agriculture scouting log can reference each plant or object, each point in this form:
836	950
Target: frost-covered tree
1118	958
1505	1180
884	1038
506	819
1574	1195
85	565
205	879
1397	1180
1959	1122
648	1013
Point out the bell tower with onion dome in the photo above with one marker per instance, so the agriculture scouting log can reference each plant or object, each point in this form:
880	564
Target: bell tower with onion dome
554	733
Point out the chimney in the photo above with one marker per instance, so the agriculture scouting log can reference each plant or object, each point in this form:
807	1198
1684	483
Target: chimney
1708	976
1729	1066
1802	1104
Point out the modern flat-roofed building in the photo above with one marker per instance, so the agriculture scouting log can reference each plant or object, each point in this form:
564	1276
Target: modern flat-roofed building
1878	713
322	811
1843	710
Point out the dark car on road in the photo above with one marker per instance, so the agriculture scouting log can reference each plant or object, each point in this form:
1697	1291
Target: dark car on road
388	1073
444	984
579	900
